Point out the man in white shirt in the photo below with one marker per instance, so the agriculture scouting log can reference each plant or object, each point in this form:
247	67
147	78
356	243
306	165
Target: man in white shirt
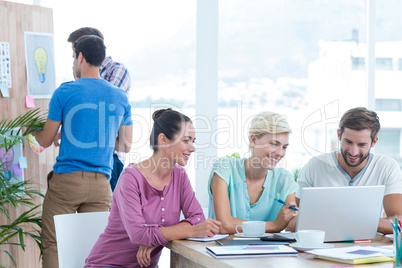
354	165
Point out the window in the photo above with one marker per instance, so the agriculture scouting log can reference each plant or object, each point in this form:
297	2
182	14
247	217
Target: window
389	141
388	105
154	39
358	64
383	64
387	79
289	57
281	56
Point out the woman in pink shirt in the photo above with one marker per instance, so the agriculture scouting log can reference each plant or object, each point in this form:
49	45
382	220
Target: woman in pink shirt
145	211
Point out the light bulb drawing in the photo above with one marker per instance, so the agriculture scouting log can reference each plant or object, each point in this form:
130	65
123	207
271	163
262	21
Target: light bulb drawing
40	58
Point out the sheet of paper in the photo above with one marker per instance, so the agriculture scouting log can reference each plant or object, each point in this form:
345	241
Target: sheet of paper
349	253
252	250
5	68
4	91
29	102
206	239
17	170
388	247
40	64
23	162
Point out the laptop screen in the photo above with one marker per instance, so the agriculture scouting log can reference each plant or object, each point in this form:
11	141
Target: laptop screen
344	213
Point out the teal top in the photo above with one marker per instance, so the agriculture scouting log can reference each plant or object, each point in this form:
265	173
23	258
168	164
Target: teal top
279	183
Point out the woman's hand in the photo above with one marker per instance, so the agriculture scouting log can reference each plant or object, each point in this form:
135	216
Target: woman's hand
209	227
284	216
144	256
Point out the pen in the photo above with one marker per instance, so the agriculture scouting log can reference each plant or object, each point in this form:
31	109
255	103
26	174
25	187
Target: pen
393	226
283	203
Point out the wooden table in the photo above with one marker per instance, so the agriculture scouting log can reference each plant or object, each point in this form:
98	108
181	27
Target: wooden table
186	253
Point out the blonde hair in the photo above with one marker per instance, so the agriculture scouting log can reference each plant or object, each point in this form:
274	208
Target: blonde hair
268	122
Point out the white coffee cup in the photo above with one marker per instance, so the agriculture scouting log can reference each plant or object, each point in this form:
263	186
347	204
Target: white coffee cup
310	238
252	228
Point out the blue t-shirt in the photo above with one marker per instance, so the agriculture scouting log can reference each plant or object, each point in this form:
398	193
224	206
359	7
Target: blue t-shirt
279	183
91	111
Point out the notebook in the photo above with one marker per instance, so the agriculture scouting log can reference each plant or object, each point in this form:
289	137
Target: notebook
232	242
354	255
208	239
344	213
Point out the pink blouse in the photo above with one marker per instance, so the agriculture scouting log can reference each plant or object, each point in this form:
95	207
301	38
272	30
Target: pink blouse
137	211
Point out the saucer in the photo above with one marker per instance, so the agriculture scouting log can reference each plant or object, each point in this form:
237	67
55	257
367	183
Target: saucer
301	248
390	236
243	235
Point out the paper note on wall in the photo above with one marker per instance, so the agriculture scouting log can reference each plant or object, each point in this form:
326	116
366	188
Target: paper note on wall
29	102
17	170
23	162
5	67
4	91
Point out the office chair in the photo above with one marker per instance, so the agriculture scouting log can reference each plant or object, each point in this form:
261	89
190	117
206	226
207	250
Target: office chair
76	235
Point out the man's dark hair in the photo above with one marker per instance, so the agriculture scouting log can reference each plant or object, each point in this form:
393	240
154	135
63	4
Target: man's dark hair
74	36
360	118
92	48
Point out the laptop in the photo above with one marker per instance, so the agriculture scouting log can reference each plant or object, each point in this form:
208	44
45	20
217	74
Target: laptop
344	213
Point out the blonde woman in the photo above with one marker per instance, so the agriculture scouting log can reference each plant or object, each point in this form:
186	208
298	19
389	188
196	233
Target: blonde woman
249	189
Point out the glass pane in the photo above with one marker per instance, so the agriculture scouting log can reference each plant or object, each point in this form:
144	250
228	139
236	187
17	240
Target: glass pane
154	39
383	64
358	64
388	105
304	59
388	77
389	142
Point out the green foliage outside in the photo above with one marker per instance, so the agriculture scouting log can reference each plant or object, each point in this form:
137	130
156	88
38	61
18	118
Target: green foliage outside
296	173
235	155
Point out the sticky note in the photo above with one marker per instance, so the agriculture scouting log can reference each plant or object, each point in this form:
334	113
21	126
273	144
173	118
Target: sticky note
4	91
17	170
29	102
23	162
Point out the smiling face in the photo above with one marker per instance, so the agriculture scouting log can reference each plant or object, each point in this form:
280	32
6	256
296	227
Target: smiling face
181	147
269	148
355	146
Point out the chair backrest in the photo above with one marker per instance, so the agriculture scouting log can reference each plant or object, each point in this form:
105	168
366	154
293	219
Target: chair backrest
76	235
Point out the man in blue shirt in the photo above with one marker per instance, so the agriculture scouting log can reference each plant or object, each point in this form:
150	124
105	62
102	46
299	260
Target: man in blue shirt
117	74
96	119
